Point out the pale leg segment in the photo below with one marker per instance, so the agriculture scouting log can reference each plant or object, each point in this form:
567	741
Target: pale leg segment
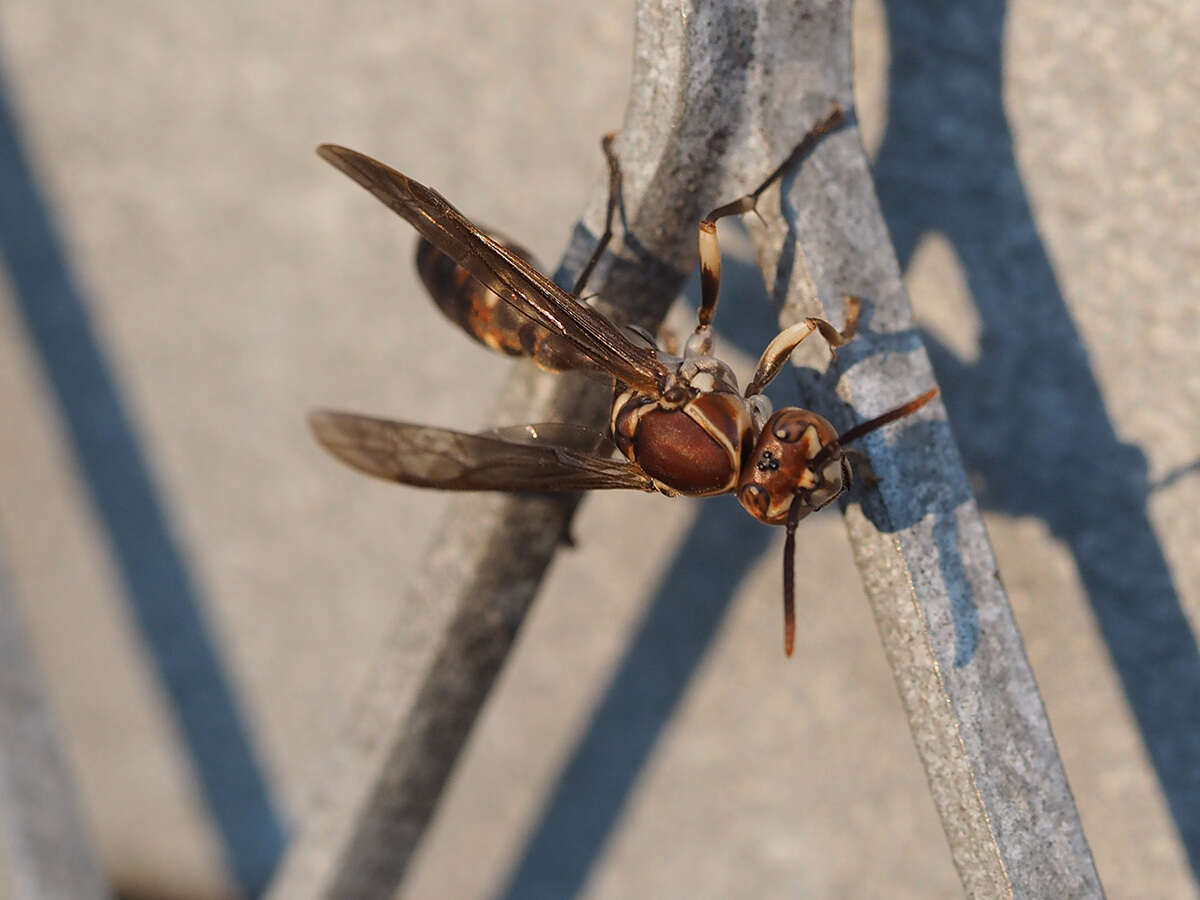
780	349
710	250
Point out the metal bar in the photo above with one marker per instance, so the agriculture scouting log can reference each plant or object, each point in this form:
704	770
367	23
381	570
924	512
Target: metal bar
721	92
919	541
44	850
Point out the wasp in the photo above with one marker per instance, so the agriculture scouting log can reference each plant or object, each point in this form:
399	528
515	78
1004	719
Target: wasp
679	424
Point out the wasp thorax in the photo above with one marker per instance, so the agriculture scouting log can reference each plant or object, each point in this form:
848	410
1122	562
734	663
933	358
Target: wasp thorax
778	469
695	448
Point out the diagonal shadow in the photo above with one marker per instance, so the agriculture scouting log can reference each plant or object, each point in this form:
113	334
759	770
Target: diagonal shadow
651	679
161	593
1029	416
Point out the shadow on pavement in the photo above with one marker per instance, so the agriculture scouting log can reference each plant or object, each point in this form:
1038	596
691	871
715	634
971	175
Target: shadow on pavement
162	594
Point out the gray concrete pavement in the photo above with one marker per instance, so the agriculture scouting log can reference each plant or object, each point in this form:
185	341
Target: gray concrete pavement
188	279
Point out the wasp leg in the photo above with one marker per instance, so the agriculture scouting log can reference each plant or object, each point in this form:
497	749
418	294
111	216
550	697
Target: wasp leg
780	349
710	251
614	191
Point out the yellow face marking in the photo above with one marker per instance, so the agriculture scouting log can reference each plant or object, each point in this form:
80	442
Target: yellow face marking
810	442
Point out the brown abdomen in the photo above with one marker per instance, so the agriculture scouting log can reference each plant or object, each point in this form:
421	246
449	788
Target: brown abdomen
471	306
489	319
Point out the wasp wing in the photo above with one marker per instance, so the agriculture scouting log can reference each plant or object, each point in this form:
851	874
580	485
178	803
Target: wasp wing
563	434
503	271
424	456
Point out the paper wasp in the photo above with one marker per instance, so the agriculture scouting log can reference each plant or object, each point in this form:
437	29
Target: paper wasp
680	423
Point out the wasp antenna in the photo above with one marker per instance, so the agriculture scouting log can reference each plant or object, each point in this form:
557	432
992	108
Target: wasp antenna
890	416
789	579
834	446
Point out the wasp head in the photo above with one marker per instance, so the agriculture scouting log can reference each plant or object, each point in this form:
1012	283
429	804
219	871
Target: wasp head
782	467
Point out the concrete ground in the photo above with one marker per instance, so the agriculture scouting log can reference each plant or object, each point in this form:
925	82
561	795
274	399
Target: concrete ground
182	279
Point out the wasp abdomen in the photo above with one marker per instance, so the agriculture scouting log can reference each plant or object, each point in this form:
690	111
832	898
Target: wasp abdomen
487	317
468	304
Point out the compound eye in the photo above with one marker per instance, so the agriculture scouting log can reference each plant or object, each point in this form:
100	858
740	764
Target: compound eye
789	429
755	499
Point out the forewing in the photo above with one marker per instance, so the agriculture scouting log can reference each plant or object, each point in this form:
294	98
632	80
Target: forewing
503	271
424	456
561	434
